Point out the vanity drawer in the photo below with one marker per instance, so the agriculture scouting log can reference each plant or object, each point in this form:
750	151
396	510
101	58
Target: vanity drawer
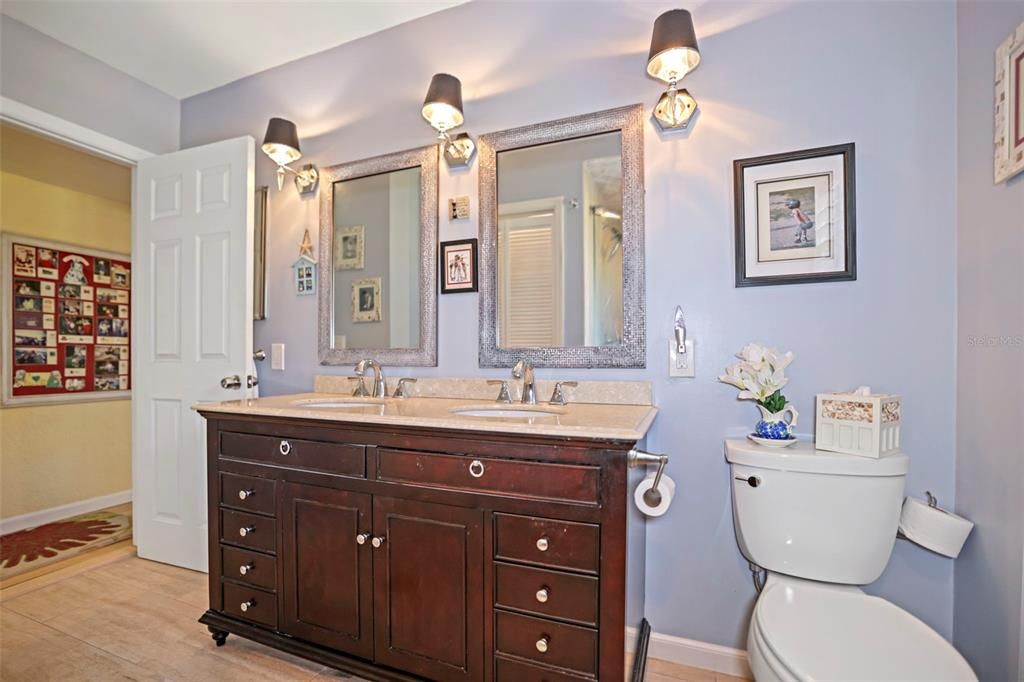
508	477
247	492
248	530
260	606
259	569
561	544
547	593
564	646
333	458
508	670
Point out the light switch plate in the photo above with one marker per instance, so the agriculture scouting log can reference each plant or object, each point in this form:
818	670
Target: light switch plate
681	364
277	356
458	208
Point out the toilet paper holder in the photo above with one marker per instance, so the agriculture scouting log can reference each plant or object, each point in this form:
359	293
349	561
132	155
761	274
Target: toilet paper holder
638	458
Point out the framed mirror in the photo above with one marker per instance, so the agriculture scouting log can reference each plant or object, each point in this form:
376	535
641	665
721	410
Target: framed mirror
562	243
378	260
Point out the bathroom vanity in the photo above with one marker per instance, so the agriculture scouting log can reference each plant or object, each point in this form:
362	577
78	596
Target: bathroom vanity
415	538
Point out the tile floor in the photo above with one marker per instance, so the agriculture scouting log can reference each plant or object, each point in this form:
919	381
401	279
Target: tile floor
114	616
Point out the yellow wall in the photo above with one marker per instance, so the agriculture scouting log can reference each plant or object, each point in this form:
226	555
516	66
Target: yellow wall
58	454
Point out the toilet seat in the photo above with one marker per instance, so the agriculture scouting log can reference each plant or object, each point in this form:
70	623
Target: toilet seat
806	631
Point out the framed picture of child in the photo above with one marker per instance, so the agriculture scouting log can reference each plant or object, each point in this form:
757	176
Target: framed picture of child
458	266
796	217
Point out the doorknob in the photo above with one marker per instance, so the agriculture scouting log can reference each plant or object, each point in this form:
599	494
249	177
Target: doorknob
233	382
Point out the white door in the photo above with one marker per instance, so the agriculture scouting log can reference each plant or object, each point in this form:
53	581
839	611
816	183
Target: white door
192	248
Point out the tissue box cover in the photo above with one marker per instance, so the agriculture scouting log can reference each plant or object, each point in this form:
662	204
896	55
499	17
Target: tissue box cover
858	423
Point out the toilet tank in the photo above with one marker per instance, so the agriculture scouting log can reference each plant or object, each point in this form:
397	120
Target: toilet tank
813	514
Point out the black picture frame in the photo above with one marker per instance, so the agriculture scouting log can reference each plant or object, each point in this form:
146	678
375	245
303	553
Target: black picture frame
474	270
849	273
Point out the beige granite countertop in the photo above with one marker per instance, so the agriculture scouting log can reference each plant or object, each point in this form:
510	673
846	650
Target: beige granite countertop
587	420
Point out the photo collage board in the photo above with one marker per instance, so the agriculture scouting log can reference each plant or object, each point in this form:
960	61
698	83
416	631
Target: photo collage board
70	321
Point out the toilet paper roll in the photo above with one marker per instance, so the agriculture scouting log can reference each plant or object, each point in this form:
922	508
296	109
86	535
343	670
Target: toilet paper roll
667	487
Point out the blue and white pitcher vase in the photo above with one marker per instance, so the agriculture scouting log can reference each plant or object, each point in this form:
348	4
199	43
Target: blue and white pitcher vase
773	425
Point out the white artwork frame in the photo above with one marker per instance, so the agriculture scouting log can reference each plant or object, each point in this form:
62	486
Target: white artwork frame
1009	107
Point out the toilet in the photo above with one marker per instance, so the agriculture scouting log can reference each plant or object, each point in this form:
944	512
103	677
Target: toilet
820	524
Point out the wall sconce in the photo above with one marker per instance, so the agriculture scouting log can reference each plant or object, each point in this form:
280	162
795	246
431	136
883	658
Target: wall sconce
673	54
281	144
442	108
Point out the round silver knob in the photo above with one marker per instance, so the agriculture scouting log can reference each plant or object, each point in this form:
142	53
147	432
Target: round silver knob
245	494
542	644
246	605
362	538
543	544
377	541
476	468
245	568
542	595
246	530
285	447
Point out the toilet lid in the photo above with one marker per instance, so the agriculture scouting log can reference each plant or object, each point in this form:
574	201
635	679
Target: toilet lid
822	632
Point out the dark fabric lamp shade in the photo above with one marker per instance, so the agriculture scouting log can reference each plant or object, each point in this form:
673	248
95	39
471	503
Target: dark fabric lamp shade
674	52
281	143
442	106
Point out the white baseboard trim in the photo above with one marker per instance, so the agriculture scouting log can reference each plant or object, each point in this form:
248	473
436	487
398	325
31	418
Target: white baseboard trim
64	511
697	654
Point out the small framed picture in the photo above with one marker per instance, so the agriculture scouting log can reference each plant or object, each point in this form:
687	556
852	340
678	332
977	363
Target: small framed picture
1009	106
795	217
458	267
366	301
349	248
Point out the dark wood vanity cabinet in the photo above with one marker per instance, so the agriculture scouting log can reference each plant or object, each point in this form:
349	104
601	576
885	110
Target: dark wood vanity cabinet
405	553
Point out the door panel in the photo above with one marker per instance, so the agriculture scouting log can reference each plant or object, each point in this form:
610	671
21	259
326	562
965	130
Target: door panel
428	579
327	576
192	249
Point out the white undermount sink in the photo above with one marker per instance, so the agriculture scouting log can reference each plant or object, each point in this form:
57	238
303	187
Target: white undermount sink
507	411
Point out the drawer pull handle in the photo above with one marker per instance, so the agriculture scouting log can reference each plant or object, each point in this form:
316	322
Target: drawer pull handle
245	569
246	605
377	541
542	644
542	595
543	544
362	538
476	468
285	447
245	494
246	530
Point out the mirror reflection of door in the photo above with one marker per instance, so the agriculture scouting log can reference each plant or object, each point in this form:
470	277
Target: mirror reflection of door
559	279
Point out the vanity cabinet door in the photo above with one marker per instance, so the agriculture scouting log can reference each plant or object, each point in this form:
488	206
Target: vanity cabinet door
327	574
428	579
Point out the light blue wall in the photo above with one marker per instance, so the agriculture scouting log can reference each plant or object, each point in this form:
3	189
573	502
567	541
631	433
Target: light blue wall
774	77
48	75
990	360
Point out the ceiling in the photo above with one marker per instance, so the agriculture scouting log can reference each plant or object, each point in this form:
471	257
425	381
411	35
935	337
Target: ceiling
185	48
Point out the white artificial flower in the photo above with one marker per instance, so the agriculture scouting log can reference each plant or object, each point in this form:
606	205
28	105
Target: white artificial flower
760	372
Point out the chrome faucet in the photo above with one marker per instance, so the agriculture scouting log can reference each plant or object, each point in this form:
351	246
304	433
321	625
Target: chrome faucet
380	387
522	370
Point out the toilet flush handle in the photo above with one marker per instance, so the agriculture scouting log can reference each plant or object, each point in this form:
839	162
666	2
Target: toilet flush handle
752	481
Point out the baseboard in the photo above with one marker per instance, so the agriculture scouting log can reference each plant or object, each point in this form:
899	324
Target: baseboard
697	654
64	511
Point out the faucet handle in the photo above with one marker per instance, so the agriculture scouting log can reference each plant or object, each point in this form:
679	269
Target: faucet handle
400	389
503	395
360	391
557	398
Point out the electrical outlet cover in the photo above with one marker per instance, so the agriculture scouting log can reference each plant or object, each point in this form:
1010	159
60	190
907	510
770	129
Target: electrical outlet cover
681	364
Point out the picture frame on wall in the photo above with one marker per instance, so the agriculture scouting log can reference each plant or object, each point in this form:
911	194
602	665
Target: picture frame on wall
366	300
459	267
795	216
350	248
259	256
1009	107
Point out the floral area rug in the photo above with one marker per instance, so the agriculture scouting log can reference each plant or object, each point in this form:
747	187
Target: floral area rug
34	548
